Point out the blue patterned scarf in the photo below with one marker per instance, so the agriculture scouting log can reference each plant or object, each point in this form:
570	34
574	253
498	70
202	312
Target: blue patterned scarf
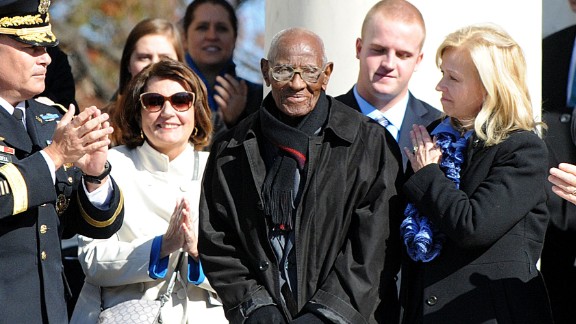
422	239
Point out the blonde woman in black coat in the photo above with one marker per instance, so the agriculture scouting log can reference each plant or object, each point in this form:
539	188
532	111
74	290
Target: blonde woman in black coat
477	215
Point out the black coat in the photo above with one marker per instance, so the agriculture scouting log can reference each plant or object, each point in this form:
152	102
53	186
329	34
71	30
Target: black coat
494	224
35	214
347	247
558	267
417	112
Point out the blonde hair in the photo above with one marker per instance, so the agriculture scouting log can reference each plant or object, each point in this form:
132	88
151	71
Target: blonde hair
501	66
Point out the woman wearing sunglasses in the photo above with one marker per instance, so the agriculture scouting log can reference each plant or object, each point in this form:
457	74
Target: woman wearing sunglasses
148	42
165	123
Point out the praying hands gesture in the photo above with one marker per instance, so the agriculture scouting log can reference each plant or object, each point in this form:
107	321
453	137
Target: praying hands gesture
424	151
180	233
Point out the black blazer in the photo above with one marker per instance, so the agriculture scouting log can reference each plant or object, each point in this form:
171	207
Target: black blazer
417	112
494	226
558	268
35	214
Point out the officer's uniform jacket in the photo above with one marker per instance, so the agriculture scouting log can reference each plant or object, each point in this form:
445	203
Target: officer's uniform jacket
35	214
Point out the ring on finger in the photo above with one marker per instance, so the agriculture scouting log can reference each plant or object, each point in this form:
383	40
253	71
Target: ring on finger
415	149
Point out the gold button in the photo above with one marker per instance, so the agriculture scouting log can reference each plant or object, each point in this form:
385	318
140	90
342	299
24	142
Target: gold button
43	255
70	179
43	229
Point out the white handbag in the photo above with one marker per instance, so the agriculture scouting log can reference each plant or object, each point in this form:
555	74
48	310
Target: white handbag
140	311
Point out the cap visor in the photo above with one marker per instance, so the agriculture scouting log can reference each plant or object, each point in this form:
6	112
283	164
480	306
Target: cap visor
40	39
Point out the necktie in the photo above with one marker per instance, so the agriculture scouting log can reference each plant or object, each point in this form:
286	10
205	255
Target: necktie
382	121
19	115
572	100
573	126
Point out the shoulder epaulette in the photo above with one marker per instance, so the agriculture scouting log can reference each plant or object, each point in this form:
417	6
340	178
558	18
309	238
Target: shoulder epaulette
50	102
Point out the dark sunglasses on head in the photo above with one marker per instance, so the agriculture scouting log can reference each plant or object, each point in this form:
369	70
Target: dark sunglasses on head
181	101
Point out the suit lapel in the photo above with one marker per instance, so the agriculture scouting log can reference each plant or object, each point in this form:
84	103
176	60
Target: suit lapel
350	100
413	115
31	112
13	134
41	123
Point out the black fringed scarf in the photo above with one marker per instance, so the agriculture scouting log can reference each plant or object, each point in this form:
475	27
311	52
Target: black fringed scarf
280	187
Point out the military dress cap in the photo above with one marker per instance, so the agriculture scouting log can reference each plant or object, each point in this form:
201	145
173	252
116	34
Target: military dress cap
27	21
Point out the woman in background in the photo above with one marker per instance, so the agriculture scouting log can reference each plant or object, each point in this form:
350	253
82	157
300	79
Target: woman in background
477	214
210	30
148	42
166	124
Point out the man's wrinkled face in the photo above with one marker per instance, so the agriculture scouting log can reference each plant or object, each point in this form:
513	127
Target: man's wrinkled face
301	53
22	70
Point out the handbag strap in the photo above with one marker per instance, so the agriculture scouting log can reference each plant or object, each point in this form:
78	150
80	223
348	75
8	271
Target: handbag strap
172	281
166	296
196	165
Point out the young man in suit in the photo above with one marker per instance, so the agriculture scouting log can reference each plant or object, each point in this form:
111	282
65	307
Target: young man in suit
389	51
54	179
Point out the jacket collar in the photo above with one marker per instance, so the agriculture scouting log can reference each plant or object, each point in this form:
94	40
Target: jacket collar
13	135
340	121
157	163
340	124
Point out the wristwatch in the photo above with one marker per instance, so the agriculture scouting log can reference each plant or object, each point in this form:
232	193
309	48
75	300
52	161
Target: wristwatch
98	179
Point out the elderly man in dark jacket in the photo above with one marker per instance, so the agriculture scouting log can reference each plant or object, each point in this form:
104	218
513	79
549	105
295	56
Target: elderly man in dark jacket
300	203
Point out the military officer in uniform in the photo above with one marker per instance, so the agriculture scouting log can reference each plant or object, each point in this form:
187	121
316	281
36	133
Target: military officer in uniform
54	179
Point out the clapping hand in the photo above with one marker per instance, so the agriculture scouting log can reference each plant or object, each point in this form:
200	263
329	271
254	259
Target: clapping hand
82	140
231	96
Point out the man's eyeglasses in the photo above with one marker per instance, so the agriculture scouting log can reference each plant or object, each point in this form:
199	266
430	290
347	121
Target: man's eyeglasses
181	101
283	73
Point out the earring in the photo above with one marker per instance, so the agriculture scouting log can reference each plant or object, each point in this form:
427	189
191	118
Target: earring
141	134
195	132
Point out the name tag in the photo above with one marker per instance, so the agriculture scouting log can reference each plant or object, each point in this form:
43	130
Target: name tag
5	158
6	154
6	149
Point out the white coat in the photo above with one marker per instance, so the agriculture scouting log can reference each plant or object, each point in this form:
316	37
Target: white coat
151	185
